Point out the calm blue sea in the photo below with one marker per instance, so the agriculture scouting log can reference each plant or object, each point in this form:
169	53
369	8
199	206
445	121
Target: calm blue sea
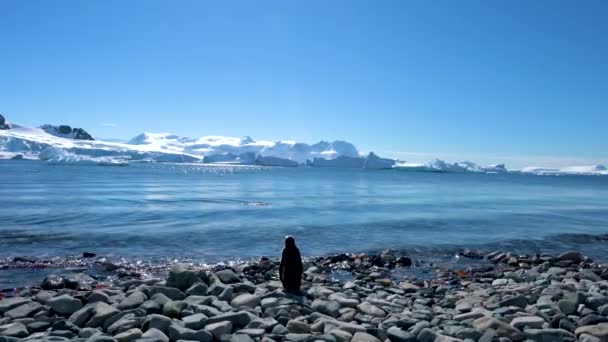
209	213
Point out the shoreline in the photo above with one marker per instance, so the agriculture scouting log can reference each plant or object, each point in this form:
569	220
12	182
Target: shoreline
508	296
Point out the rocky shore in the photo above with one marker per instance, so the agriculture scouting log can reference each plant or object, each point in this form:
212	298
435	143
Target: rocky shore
540	298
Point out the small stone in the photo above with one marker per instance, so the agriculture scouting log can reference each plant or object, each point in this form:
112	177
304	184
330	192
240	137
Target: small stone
227	276
246	300
53	282
174	308
195	322
502	329
169	292
14	330
24	310
101	312
88	332
241	338
177	332
330	308
592	319
158	322
341	335
371	309
253	332
134	300
598	330
397	335
11	303
575	257
183	277
219	329
298	327
198	289
549	335
64	304
155	335
129	335
97	296
530	321
519	301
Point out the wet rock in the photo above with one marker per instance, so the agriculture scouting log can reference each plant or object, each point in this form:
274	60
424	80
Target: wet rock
169	292
64	304
573	256
228	276
88	255
53	282
599	330
183	277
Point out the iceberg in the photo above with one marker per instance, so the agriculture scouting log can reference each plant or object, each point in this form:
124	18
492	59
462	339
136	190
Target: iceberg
275	161
340	162
375	162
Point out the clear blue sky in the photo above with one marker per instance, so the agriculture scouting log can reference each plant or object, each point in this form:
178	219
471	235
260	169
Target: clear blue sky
524	82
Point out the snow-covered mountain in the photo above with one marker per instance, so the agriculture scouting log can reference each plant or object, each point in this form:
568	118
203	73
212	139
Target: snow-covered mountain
66	144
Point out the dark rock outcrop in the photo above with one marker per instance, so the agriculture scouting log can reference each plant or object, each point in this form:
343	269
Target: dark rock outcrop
65	131
3	123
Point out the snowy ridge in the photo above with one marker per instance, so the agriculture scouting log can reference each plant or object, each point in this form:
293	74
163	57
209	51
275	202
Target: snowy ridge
60	144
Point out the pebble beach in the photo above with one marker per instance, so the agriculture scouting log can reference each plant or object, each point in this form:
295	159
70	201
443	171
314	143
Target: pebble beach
510	297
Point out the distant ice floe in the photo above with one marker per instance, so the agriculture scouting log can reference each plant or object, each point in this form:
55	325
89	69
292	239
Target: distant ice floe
439	165
570	170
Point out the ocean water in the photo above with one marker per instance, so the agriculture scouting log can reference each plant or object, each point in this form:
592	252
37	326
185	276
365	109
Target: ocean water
211	213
